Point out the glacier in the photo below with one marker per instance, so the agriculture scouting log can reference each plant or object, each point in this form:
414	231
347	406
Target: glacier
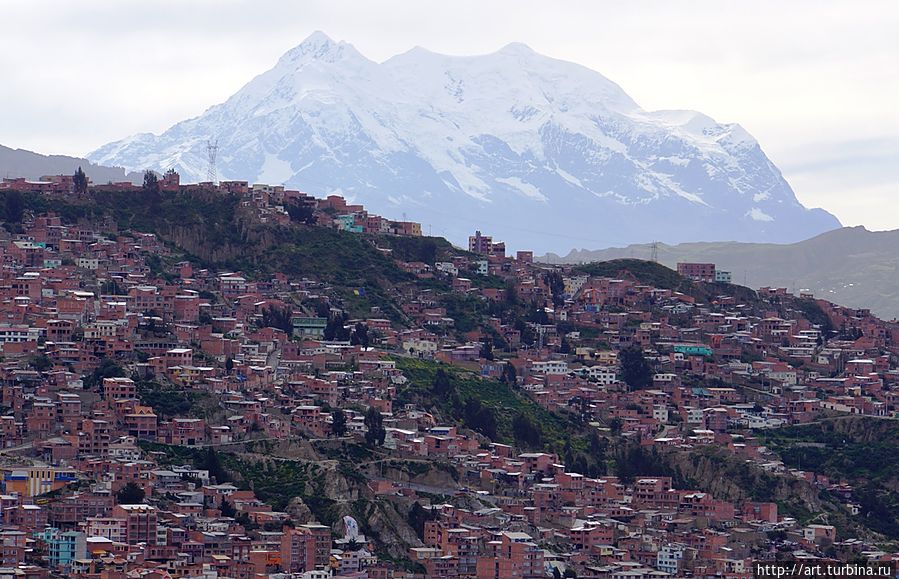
541	153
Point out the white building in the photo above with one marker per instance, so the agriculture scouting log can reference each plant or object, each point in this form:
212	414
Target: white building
550	367
447	268
604	375
669	557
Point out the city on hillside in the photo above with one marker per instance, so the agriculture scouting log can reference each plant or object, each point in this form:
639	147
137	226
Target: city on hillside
176	404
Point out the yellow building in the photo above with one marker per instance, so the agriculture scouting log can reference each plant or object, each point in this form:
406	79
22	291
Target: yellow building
34	481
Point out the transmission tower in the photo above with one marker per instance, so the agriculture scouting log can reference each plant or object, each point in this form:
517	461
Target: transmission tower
212	149
654	256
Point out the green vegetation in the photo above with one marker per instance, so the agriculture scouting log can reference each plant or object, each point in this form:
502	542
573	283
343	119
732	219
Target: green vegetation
635	370
810	310
655	274
498	411
169	401
40	362
279	318
215	231
526	433
374	427
487	281
13	207
273	481
338	422
863	451
424	249
106	369
466	310
634	460
130	494
79	182
418	516
647	272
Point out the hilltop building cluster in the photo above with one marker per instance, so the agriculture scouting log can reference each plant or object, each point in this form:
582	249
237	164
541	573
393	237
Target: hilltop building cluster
274	202
706	272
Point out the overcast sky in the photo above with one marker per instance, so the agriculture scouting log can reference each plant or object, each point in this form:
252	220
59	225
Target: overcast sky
816	82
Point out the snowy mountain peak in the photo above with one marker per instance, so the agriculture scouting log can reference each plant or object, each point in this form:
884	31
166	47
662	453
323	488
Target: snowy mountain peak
319	46
517	48
543	153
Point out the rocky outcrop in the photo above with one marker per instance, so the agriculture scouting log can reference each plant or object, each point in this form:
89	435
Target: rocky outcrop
734	479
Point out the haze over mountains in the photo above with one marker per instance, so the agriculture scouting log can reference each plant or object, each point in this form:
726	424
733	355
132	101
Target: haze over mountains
850	266
541	153
22	163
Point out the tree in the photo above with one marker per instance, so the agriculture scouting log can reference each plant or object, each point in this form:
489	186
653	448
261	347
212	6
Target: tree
151	183
40	362
635	370
106	369
556	285
111	287
335	329
418	516
130	494
229	365
14	207
227	508
538	314
273	317
635	460
79	180
442	385
509	375
596	446
487	348
212	464
479	418
301	213
510	294
525	431
360	336
528	335
338	422
615	425
374	423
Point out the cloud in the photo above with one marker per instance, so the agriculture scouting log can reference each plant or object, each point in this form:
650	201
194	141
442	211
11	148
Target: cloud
858	180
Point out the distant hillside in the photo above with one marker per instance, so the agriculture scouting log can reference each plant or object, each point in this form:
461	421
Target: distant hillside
22	163
660	276
850	266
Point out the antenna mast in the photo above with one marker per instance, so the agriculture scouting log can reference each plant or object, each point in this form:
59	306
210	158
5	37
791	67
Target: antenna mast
212	149
654	256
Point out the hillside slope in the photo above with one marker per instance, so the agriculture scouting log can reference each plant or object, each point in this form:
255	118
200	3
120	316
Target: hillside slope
849	266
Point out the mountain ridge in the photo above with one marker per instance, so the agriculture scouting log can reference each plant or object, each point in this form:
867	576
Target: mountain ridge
495	141
32	165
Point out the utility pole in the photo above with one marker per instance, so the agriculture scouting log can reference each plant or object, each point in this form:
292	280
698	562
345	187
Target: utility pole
212	148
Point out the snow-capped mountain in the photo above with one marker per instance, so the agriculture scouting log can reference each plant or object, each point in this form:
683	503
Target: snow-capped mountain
541	153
